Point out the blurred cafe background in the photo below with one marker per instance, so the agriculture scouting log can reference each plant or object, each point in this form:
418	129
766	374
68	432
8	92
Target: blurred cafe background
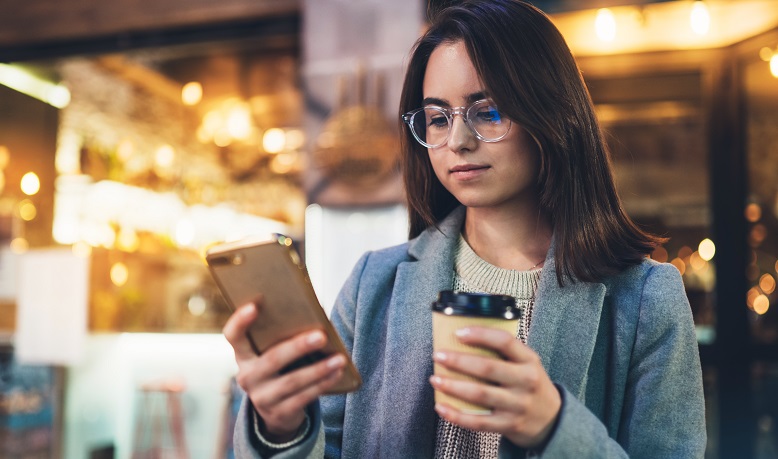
133	135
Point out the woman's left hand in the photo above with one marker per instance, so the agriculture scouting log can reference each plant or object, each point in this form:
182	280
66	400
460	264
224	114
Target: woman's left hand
524	401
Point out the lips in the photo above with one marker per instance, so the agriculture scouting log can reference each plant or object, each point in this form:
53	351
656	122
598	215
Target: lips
467	168
467	172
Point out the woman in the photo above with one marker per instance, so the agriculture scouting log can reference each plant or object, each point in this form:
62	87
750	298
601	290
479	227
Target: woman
510	191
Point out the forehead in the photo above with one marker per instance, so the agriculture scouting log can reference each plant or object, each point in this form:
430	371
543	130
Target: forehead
451	75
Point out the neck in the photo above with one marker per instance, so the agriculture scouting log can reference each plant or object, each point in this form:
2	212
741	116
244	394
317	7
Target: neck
515	239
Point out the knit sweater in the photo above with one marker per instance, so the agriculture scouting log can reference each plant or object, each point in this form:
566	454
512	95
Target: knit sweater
473	274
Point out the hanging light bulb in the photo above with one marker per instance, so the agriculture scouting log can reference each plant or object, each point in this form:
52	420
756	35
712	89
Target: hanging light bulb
605	25
700	18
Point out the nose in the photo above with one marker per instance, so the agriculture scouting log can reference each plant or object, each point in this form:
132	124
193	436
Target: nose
461	138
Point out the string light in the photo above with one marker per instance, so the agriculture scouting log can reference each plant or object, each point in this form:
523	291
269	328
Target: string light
25	82
707	249
605	25
700	18
30	183
192	93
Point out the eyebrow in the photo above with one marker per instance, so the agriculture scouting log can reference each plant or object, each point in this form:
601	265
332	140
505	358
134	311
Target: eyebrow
470	98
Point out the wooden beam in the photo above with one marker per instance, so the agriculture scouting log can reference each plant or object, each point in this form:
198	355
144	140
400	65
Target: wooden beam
25	22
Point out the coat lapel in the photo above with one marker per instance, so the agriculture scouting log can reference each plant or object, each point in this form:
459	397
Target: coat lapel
564	326
409	341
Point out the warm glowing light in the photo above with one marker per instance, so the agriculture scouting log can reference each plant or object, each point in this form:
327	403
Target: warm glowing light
27	210
164	156
700	18
127	240
759	233
753	212
67	159
239	122
295	139
58	96
761	304
31	184
774	65
696	261
124	150
119	274
222	139
98	235
274	140
5	156
707	249
282	163
678	263
767	283
192	93
753	292
766	53
659	254
776	267
82	249
25	82
685	252
197	305
19	245
185	233
605	25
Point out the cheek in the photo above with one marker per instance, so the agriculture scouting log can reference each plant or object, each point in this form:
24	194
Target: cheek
437	166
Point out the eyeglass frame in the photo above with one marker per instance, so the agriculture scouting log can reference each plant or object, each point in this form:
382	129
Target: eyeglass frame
450	113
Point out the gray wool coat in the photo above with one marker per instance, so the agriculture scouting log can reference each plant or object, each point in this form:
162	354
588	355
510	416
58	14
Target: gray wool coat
623	352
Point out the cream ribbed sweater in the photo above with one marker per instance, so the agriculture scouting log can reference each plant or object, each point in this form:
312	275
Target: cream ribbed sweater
473	274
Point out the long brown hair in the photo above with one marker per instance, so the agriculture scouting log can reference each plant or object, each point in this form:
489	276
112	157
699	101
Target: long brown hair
530	73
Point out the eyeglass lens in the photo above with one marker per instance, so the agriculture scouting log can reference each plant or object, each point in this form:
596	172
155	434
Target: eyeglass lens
432	125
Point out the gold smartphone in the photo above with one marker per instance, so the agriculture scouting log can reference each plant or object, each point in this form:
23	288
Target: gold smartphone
246	269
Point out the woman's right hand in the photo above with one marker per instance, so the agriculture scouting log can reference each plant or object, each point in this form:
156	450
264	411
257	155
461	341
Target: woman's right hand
280	399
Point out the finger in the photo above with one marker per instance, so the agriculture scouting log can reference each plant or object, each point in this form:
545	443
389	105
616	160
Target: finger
497	340
307	395
235	331
281	355
478	422
495	398
486	368
299	380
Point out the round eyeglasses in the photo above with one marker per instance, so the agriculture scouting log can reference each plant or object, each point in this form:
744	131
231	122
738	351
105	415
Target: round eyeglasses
431	125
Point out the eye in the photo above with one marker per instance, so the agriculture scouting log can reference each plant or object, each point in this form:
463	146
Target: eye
436	118
487	114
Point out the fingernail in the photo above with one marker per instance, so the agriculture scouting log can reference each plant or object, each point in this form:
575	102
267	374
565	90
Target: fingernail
336	361
462	332
247	310
436	380
439	356
315	338
440	409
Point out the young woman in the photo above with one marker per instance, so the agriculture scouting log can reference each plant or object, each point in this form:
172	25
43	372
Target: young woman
510	191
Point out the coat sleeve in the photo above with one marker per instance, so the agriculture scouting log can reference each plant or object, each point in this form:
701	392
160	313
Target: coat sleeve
664	410
326	435
343	318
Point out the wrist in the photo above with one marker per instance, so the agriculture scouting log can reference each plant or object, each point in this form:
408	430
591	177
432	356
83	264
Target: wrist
283	440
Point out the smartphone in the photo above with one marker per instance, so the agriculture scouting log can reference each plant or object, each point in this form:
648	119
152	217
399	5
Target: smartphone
246	269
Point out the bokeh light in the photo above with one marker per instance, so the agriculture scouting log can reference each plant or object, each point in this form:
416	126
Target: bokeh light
30	183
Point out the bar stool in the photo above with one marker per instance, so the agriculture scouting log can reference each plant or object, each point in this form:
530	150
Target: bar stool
159	428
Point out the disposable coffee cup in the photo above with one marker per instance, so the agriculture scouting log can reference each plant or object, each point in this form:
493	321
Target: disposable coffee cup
455	310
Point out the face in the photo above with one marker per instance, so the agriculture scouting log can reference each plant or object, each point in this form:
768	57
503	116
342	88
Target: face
479	174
